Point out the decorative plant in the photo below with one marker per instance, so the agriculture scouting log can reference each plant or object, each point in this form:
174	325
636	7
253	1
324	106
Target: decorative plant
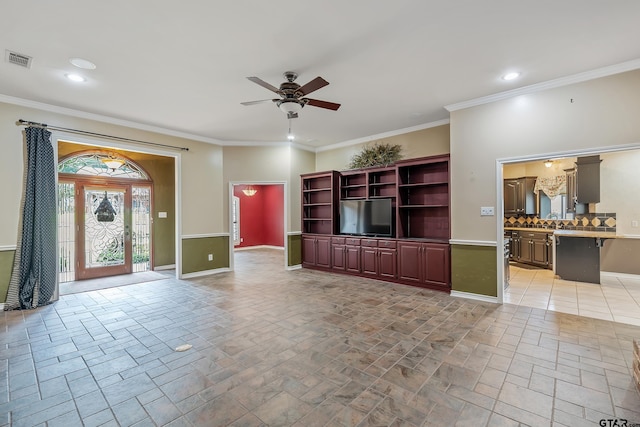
378	154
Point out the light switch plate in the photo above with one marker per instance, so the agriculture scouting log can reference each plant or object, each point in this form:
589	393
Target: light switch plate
486	211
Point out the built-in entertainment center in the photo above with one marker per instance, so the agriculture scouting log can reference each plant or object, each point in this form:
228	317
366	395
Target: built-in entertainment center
390	223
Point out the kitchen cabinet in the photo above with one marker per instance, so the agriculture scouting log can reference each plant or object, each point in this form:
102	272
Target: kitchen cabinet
532	248
316	251
379	258
424	263
519	198
573	207
588	179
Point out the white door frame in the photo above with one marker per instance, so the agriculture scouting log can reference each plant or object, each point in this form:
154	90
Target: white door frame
500	194
57	136
285	203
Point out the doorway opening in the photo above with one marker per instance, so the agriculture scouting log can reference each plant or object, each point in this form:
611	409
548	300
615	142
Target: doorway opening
257	219
104	216
534	280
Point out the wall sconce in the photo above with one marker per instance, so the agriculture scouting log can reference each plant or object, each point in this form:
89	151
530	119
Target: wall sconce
249	191
112	162
548	163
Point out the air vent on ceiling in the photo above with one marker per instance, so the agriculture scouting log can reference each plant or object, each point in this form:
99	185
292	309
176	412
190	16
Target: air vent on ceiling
18	59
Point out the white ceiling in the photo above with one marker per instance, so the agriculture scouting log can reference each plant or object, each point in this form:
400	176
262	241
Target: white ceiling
181	65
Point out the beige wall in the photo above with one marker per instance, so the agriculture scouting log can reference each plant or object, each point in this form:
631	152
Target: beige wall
604	113
201	189
267	164
302	161
422	143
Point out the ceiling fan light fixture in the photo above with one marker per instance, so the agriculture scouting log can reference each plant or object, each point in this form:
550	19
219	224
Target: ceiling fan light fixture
290	107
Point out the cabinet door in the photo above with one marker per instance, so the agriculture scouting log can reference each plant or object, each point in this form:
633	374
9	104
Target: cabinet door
352	259
525	248
308	250
515	246
409	257
511	196
539	254
437	264
323	252
387	263
338	257
369	261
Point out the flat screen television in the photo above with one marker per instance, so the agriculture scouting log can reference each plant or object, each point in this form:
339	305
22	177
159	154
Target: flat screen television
367	217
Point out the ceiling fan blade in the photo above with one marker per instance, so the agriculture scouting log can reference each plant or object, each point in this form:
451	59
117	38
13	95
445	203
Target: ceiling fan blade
264	84
322	104
262	101
313	85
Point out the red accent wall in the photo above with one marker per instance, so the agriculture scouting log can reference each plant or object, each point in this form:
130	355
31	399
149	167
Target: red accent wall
261	215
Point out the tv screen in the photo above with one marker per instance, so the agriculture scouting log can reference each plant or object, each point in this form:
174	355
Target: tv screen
367	217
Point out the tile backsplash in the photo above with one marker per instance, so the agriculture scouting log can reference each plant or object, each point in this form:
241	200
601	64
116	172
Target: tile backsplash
581	222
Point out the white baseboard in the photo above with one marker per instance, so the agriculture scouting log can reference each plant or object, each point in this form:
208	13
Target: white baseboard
205	273
294	267
248	248
477	297
164	267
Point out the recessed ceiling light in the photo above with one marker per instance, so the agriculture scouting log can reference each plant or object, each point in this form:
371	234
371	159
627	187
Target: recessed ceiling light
75	77
511	76
83	63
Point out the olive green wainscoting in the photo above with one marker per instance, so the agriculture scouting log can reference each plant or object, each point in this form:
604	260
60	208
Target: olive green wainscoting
473	269
294	245
6	264
196	250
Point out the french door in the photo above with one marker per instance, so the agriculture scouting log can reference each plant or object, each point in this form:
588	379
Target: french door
103	218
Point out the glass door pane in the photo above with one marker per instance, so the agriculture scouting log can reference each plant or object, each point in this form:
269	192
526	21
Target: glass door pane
104	231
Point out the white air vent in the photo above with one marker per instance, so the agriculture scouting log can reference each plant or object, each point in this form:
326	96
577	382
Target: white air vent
18	59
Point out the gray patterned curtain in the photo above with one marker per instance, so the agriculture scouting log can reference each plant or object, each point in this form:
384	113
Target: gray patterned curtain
33	279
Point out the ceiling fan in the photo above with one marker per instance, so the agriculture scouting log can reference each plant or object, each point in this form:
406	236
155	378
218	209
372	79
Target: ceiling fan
292	95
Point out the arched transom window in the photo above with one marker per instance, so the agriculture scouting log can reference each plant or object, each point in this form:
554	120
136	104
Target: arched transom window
101	164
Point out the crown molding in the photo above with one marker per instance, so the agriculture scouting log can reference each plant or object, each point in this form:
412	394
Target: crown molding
268	144
105	119
383	135
550	84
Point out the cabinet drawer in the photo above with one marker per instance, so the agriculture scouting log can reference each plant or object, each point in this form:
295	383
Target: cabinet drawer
387	243
338	240
352	242
370	242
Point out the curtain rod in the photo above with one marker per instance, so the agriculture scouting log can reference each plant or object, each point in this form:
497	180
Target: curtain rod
101	135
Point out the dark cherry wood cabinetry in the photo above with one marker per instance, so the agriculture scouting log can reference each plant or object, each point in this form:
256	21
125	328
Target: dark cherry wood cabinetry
319	203
379	258
423	198
418	254
316	251
424	264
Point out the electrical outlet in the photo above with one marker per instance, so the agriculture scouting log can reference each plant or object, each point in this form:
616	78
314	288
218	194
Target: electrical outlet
486	211
210	257
634	223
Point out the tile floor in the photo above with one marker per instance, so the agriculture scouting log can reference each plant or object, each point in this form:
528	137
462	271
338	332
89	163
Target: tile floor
617	298
304	348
